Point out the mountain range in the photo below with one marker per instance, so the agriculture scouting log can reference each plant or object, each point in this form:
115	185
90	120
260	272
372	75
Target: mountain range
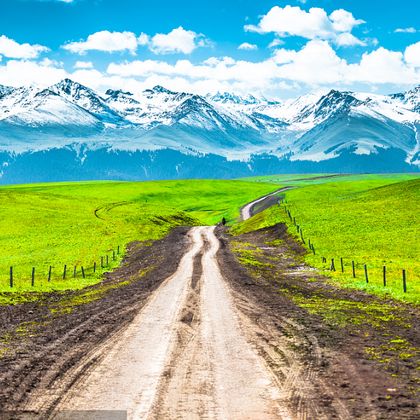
69	131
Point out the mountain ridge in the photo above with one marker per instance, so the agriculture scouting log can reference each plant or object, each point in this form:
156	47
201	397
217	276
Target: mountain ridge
313	128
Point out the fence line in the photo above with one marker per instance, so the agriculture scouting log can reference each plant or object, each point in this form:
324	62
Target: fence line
49	277
311	246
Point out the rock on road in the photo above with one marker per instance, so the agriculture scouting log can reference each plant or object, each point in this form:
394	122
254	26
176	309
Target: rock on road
185	355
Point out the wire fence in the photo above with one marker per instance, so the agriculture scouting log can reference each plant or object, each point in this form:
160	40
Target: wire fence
66	271
342	263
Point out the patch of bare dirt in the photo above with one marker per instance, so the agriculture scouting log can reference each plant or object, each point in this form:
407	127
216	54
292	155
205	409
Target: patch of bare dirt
43	341
331	349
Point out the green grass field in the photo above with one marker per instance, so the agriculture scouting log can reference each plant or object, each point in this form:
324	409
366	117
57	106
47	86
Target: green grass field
76	223
371	219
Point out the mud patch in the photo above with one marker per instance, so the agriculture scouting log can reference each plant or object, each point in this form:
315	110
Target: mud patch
42	341
338	353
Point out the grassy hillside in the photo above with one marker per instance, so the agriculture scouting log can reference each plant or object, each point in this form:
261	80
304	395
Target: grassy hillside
76	223
370	219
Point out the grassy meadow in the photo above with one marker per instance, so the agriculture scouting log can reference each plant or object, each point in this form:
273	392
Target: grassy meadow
77	223
370	219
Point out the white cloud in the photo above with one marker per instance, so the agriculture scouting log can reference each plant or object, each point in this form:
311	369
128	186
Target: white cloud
409	30
21	72
247	46
275	43
105	41
412	54
344	21
314	24
12	49
143	39
178	40
314	66
348	40
316	63
291	20
83	65
382	66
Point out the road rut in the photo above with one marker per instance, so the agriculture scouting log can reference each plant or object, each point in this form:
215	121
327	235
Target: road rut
185	355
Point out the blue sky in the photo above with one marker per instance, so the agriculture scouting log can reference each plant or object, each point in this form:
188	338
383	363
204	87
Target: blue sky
276	48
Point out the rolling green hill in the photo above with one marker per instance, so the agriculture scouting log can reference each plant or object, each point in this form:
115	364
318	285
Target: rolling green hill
369	219
76	223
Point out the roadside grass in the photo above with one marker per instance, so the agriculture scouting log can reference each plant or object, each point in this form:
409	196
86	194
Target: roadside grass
77	223
369	219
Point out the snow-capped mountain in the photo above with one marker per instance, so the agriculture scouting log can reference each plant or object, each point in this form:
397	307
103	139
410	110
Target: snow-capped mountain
312	128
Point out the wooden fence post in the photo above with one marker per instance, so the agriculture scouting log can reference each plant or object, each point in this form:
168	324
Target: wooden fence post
74	271
94	267
102	262
33	277
118	250
49	274
353	269
107	260
332	264
404	282
342	265
11	277
83	272
384	272
64	271
366	274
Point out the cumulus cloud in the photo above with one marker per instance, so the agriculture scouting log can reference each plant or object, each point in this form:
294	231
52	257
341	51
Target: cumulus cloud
316	63
22	72
347	40
247	46
412	54
314	66
12	49
178	40
314	24
382	66
344	21
105	41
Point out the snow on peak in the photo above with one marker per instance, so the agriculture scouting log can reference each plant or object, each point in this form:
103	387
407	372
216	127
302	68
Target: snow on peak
227	97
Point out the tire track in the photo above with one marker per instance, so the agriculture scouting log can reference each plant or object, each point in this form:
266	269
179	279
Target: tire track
128	376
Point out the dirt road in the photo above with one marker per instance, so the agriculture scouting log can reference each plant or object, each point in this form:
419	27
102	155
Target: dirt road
184	355
249	209
202	324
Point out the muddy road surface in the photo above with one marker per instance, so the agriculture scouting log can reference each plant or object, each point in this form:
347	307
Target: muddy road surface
185	355
203	325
